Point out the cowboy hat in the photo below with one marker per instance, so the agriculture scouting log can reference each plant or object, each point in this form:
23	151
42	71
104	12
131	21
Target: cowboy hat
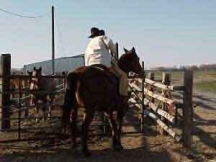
94	32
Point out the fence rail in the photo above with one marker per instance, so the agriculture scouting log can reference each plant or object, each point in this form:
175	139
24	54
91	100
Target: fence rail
158	105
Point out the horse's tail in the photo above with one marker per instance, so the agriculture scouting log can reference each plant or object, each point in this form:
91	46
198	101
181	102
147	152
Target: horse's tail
69	98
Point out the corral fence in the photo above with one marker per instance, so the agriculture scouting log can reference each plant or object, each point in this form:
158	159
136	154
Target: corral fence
17	112
149	98
174	117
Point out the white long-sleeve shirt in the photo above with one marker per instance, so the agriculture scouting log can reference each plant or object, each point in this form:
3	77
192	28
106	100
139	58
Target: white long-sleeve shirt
98	51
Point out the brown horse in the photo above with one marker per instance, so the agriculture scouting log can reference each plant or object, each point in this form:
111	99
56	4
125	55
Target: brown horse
17	83
94	89
42	92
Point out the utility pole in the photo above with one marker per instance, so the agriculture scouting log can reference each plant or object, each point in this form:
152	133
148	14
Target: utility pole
53	42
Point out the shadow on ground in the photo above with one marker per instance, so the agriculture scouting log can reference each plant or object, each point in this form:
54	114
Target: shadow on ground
130	154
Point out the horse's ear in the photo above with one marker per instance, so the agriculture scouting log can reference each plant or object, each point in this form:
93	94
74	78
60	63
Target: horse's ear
34	68
125	50
133	50
40	69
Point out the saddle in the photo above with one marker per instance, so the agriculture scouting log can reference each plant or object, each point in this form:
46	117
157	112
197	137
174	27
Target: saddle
112	77
108	73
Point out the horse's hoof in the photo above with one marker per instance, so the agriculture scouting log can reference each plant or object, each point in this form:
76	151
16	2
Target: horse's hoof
118	147
121	147
73	146
86	154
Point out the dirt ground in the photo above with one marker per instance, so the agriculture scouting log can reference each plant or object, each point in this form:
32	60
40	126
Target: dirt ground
147	148
205	125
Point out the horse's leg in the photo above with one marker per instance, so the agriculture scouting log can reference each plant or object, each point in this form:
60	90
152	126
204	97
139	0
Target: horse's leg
85	126
113	126
34	101
31	100
44	109
123	107
37	113
50	106
74	127
119	130
49	109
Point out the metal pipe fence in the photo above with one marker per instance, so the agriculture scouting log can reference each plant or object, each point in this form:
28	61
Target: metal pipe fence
22	107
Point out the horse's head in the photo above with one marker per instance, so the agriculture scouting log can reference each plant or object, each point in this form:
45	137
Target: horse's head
35	78
130	62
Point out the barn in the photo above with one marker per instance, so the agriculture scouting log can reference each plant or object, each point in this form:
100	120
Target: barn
62	64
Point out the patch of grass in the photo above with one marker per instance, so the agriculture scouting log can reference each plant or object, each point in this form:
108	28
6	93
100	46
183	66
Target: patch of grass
206	86
204	81
175	75
205	75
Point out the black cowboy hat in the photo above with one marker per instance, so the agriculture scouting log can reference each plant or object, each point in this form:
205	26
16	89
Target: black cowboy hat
94	32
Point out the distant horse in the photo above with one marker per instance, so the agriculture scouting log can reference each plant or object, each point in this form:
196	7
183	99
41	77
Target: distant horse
94	88
17	83
42	92
14	85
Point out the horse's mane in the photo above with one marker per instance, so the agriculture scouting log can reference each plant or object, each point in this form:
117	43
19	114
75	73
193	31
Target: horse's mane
123	56
121	62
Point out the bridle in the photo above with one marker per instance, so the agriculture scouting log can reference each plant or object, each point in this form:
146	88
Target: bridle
35	80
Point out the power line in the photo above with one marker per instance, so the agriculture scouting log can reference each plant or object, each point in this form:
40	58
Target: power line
60	36
23	16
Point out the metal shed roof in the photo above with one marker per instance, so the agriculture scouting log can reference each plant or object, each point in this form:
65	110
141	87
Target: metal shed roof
61	64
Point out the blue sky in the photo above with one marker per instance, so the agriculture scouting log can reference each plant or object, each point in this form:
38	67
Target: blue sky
165	33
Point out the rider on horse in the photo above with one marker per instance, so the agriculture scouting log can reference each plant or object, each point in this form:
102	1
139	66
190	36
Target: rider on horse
101	50
94	88
98	52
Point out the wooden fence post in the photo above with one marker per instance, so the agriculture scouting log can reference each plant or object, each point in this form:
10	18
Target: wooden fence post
166	79
117	53
188	109
5	70
150	76
143	97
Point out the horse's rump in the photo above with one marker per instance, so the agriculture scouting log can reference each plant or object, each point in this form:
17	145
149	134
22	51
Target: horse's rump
93	87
